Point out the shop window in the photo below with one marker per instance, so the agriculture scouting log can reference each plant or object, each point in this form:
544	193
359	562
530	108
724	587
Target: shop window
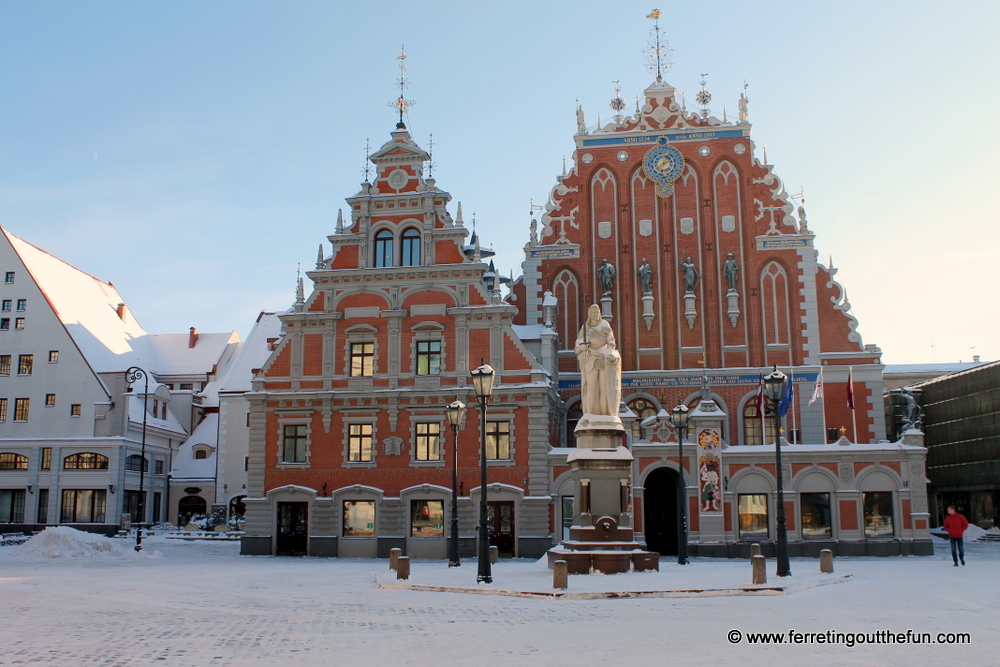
189	507
293	448
12	461
753	516
411	248
878	513
85	461
359	518
83	506
498	441
359	443
815	510
362	360
426	518
428	446
12	505
428	357
383	248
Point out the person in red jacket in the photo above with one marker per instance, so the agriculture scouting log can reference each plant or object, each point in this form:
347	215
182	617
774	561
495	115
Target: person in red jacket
955	525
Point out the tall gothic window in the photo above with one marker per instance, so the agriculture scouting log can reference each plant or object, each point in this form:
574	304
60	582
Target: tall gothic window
567	290
383	248
411	248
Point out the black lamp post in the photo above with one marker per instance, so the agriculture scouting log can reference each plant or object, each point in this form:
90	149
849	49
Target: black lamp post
133	375
456	418
679	418
774	385
482	380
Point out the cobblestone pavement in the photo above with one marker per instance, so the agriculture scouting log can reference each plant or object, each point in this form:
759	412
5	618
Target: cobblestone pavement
205	605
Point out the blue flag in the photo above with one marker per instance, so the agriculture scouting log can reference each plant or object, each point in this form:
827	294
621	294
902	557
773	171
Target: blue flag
786	400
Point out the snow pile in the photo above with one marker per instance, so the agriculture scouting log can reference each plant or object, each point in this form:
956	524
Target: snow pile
66	542
973	532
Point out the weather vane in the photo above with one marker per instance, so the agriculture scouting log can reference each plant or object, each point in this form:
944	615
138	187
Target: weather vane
703	96
401	104
657	51
367	169
430	157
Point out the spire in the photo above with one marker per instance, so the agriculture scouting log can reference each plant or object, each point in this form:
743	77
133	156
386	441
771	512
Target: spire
458	216
430	157
657	48
320	260
368	164
300	294
340	221
401	104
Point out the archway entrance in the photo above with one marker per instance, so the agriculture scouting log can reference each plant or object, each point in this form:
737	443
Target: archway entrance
659	501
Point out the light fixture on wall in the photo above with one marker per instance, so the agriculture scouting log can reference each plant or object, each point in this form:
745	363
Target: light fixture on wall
225	488
111	487
31	487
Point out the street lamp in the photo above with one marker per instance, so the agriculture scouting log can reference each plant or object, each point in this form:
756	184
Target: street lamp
133	375
679	418
775	386
456	418
482	380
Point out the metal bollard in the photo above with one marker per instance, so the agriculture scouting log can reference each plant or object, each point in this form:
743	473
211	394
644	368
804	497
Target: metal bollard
560	575
403	568
826	561
494	554
759	569
754	549
394	555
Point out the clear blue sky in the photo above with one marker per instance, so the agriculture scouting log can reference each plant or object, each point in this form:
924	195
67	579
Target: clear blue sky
194	152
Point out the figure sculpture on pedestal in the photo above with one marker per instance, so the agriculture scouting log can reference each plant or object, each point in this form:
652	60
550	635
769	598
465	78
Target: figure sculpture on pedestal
600	366
691	275
606	274
732	271
646	277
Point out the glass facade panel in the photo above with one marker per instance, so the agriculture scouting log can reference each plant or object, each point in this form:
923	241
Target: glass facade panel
11	505
878	513
83	506
359	518
426	518
815	509
753	516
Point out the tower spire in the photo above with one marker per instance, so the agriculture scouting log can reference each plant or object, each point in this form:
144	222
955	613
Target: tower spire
657	49
401	104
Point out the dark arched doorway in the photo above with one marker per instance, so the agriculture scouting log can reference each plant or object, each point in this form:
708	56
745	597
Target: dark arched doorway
659	501
190	507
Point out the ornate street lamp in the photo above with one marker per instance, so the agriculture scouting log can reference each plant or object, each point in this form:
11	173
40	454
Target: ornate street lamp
679	418
482	380
133	375
775	386
456	418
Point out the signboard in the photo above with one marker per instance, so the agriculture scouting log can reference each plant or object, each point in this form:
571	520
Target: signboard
672	137
554	252
782	243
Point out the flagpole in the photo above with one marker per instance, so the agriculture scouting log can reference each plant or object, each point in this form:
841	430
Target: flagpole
823	403
854	412
791	378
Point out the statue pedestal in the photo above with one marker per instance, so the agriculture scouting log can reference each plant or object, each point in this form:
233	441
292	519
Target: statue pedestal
601	538
690	311
647	310
606	307
733	311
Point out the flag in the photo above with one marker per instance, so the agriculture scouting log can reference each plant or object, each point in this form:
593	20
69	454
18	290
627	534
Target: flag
760	395
818	390
786	400
850	388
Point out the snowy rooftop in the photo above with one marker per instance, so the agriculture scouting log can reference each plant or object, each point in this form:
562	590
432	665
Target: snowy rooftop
184	464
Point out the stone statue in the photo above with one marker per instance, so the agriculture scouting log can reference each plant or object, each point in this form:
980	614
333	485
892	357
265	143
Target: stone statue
581	123
744	116
912	412
646	277
732	271
534	232
606	274
691	275
600	366
803	225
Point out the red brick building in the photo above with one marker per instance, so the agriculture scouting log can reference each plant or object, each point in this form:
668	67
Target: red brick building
675	225
350	446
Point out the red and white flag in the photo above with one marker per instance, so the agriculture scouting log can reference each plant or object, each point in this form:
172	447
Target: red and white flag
850	388
818	389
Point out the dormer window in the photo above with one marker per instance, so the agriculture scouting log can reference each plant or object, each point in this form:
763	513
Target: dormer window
411	248
383	248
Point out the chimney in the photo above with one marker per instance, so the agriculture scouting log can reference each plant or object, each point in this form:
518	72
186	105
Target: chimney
122	310
193	337
975	358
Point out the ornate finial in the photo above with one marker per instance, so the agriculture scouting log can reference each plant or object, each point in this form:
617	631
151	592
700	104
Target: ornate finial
637	111
564	166
458	216
320	260
765	153
340	221
704	97
684	104
657	50
430	156
368	164
300	294
402	105
617	103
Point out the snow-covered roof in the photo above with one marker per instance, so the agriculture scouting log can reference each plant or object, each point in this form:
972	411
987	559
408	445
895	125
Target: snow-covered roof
936	368
184	464
171	354
135	414
237	375
529	331
87	307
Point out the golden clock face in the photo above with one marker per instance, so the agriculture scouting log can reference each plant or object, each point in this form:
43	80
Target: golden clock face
663	163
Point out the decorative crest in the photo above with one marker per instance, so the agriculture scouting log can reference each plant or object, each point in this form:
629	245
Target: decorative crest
401	104
617	102
657	50
704	97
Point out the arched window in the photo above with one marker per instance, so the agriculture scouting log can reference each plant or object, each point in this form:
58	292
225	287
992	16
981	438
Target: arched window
643	409
189	507
11	461
572	419
200	454
85	461
136	463
383	248
754	431
411	248
567	290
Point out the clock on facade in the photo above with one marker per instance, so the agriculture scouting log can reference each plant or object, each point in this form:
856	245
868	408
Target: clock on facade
663	165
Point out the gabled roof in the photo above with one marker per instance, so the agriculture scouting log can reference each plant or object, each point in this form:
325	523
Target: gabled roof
237	376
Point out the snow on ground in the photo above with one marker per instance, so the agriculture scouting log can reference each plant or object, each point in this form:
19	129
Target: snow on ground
66	542
203	604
